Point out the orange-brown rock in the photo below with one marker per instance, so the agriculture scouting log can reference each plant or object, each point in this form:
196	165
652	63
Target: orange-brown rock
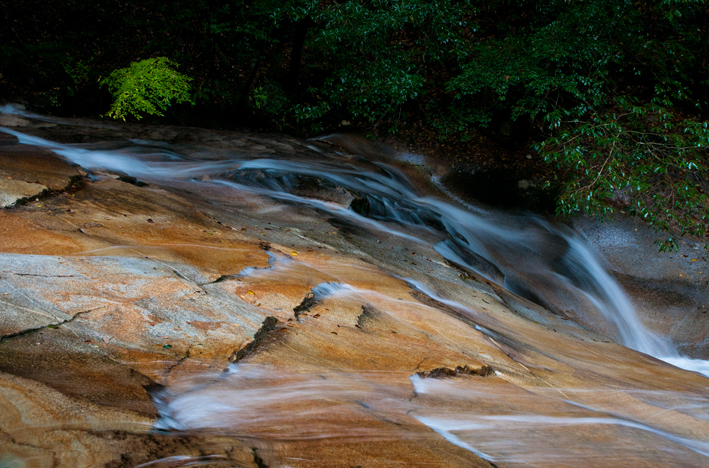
266	335
27	172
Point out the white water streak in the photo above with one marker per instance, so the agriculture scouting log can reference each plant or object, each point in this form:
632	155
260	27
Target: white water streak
521	248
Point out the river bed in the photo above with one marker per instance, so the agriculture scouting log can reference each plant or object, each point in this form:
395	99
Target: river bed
369	310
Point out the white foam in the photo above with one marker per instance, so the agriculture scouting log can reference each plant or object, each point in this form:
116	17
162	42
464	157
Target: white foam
683	362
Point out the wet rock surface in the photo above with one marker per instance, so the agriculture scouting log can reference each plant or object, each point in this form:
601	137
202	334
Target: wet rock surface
27	173
186	321
7	120
670	290
6	139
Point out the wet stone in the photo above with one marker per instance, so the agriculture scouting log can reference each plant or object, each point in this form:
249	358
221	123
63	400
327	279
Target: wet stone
192	321
7	139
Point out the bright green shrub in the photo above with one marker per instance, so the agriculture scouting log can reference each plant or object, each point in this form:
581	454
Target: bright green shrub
146	87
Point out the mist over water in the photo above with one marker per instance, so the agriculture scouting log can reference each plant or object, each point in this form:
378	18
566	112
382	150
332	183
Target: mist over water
548	264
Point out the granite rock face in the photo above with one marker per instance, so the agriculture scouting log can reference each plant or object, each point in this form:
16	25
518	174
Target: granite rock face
27	173
252	331
7	120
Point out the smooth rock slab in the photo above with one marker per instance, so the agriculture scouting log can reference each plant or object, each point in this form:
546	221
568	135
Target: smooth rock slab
12	191
8	120
165	284
41	427
141	308
27	172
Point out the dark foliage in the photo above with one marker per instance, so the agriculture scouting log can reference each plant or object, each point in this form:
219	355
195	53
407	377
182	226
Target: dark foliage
612	93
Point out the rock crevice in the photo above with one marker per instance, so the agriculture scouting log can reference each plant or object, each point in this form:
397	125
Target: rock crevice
262	335
44	327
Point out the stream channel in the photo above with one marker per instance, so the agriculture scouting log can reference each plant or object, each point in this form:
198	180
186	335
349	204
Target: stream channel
547	264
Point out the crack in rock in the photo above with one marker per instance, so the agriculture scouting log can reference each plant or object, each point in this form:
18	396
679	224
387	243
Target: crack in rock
258	460
49	325
14	441
307	302
46	193
269	325
368	314
219	280
441	372
43	276
319	292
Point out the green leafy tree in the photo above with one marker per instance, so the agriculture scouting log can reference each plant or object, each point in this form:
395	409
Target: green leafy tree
618	93
146	87
612	93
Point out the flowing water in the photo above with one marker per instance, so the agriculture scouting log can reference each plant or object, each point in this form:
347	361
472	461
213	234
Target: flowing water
526	254
495	423
548	264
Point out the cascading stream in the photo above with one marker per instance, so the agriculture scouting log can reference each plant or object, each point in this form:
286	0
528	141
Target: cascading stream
501	417
526	254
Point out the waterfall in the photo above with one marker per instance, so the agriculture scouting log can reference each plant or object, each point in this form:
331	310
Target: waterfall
526	254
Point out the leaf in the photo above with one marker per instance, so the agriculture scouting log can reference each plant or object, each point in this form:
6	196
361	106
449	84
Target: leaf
146	87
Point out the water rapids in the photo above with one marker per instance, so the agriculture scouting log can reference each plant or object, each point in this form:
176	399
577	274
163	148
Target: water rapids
548	264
